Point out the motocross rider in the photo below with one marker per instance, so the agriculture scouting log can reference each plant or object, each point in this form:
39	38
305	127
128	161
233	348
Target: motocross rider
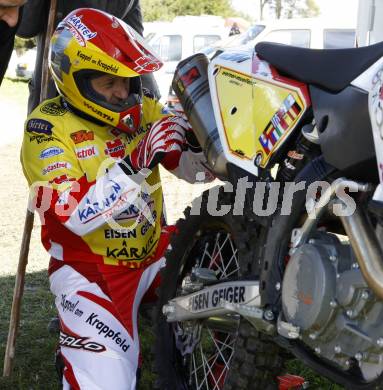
91	156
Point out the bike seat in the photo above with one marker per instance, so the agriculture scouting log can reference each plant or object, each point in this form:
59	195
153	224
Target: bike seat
331	69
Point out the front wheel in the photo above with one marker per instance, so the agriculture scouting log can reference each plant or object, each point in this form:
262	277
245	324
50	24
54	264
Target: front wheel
225	352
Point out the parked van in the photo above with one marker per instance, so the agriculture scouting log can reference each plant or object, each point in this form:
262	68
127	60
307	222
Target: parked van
314	33
181	38
370	26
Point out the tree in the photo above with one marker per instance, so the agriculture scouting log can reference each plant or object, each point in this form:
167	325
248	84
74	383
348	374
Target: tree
291	8
21	45
312	9
262	4
167	9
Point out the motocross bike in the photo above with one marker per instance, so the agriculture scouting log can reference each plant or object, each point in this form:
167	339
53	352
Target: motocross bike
246	287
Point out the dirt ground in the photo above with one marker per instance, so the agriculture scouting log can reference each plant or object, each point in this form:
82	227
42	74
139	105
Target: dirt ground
14	193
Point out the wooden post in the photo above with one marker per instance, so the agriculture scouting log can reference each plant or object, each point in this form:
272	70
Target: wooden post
29	218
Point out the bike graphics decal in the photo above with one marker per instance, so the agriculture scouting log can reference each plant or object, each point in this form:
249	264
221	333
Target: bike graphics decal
257	113
190	76
212	299
279	123
376	115
377	101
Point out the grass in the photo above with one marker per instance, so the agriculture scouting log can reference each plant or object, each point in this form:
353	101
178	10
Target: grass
33	368
34	364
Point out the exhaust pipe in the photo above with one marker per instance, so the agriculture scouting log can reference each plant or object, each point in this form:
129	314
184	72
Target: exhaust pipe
191	86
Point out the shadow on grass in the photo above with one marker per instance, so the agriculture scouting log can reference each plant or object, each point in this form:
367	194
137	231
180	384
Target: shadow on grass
34	362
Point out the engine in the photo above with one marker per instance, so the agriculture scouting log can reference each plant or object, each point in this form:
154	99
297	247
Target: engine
325	295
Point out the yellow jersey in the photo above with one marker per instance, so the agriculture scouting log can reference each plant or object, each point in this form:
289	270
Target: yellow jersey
91	210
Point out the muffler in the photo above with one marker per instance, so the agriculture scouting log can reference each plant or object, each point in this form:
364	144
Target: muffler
191	86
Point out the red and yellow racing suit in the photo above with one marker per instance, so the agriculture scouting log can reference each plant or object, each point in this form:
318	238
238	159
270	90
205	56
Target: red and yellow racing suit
104	231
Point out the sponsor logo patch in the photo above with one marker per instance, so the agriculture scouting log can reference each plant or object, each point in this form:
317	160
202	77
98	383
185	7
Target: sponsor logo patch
107	331
80	343
61	179
80	30
115	234
115	132
40	126
53	109
67	304
50	152
92	210
81	136
107	67
98	112
55	166
125	252
40	139
115	149
87	152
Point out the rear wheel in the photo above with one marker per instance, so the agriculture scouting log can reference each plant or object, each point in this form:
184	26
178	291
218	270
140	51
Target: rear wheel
213	353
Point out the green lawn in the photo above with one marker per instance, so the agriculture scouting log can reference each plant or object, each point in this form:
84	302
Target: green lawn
34	364
34	368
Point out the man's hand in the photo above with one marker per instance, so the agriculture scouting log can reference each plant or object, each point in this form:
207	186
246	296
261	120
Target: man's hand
163	143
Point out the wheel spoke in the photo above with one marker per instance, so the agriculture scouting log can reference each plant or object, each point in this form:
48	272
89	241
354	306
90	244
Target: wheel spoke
224	347
211	352
229	262
211	257
195	370
232	272
204	365
217	260
235	250
209	367
214	254
218	252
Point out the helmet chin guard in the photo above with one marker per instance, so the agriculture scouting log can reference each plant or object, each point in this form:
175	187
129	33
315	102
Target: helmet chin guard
131	121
